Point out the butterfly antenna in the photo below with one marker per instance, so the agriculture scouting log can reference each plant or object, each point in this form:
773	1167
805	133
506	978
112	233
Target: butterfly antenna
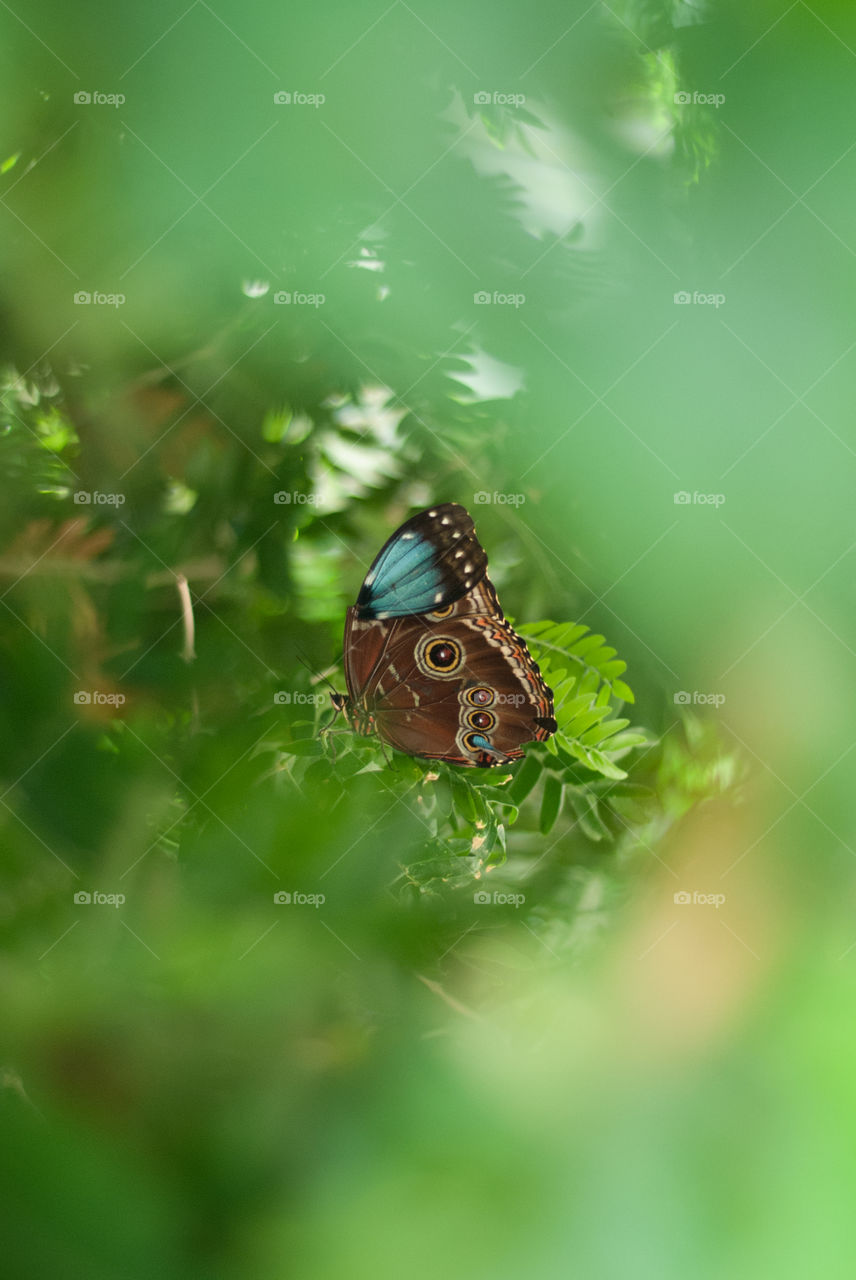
317	675
324	732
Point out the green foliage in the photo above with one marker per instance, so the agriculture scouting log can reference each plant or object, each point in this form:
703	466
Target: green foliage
580	790
503	1017
571	788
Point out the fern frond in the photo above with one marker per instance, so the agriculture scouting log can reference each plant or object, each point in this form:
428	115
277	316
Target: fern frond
573	642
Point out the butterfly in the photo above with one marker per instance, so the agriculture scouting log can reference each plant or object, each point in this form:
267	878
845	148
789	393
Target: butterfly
431	664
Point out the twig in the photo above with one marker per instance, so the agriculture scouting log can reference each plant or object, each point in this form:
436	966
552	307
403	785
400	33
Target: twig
186	617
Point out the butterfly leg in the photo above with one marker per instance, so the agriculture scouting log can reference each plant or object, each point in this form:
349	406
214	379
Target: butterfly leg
339	704
327	733
389	760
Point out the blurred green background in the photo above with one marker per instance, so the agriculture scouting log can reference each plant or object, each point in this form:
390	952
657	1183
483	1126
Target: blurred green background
275	277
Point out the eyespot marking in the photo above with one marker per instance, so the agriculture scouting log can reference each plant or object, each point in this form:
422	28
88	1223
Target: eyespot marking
482	720
439	655
443	655
480	696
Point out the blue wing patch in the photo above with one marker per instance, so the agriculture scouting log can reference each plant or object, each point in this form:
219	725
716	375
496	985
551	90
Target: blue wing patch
433	560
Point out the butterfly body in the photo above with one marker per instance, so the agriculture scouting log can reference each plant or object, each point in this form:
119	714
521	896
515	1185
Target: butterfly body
431	664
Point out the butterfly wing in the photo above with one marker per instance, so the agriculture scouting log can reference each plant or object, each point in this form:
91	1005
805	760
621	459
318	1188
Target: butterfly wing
431	561
431	663
434	559
457	684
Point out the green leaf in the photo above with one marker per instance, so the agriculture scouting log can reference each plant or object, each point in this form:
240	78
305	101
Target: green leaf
303	747
623	691
551	803
606	729
594	759
525	779
568	710
580	723
586	807
632	738
275	424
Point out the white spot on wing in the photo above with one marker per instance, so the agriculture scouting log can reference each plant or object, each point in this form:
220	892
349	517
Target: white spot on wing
446	520
432	514
405	537
438	597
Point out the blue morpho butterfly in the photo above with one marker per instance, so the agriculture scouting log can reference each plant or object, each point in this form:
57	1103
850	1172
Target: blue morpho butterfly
431	664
